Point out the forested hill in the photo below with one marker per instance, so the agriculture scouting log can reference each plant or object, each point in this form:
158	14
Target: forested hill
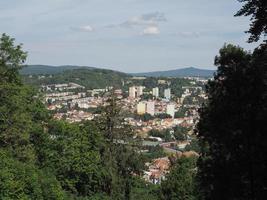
47	69
190	71
86	76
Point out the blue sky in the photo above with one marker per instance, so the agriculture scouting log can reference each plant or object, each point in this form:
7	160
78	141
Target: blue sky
125	35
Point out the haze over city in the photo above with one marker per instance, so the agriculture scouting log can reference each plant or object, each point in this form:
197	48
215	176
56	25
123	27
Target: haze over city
124	35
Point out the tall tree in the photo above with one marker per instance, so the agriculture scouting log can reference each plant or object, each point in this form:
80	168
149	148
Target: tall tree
11	59
257	9
120	154
21	117
15	120
73	156
231	129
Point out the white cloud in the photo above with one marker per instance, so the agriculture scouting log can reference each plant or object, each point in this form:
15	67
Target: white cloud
151	30
149	19
86	28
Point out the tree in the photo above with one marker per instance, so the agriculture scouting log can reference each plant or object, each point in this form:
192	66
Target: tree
154	152
74	156
180	133
257	9
15	120
143	190
120	155
11	59
163	116
24	181
231	128
181	112
144	117
193	146
21	130
180	182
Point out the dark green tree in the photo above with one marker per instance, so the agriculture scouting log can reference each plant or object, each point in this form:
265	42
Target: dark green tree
11	59
74	156
180	182
144	117
180	133
21	122
15	120
257	9
144	191
163	116
120	154
181	112
193	146
24	181
232	129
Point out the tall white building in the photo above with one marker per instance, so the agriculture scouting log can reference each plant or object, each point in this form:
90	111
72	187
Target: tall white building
170	110
150	108
132	92
139	91
155	92
167	93
135	91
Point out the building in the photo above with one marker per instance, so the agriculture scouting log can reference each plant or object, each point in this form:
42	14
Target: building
170	110
155	92
162	82
132	92
167	93
157	170
139	91
135	91
141	108
150	108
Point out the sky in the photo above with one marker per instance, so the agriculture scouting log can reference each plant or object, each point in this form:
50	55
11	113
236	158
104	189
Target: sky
124	35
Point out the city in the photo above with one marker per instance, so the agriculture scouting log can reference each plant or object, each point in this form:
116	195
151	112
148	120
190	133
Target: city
148	111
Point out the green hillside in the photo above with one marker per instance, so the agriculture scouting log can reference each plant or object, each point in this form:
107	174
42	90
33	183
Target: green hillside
88	77
47	69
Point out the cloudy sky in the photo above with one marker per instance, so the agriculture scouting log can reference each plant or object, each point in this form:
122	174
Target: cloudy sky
125	35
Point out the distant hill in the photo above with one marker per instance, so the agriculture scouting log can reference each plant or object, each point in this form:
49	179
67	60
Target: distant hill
190	71
89	77
46	69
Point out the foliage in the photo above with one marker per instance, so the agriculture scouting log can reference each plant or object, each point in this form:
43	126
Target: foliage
16	118
193	146
163	116
24	181
120	154
146	97
21	118
257	9
143	191
11	59
145	117
180	133
176	86
89	78
180	113
180	182
74	157
164	134
154	152
231	129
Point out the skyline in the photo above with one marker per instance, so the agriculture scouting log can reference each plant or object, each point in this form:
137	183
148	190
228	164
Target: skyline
126	35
